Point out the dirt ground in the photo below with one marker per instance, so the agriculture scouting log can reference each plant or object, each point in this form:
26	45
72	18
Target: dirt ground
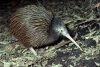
82	18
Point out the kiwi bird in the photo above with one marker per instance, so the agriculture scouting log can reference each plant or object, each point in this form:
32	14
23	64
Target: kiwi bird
35	26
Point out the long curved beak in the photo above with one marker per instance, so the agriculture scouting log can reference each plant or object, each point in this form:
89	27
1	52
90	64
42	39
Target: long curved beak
69	37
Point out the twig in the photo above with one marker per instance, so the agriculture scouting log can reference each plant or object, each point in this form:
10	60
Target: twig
87	21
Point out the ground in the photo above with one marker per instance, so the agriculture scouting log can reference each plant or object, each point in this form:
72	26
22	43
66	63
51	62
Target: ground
82	18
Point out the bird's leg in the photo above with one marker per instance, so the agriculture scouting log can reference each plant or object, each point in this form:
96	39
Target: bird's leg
33	51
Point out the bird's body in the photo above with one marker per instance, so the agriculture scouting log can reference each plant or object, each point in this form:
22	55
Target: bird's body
35	26
31	26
